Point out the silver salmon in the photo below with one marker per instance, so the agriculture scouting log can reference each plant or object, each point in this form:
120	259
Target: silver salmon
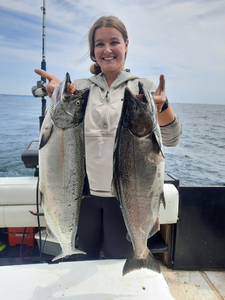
63	179
138	175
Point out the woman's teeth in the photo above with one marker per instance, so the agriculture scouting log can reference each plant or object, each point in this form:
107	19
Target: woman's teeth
108	58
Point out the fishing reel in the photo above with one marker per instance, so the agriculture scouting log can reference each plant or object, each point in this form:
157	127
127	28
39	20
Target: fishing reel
40	89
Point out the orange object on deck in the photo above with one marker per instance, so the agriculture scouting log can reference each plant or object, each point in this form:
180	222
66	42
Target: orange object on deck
15	236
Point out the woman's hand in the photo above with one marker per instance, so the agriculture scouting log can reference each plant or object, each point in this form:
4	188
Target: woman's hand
160	95
167	116
53	80
71	88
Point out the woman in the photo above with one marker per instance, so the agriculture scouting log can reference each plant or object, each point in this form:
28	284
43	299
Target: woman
101	222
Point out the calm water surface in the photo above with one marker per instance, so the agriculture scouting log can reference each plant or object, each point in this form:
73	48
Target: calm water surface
198	160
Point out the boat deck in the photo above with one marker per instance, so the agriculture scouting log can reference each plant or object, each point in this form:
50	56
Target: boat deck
195	285
102	279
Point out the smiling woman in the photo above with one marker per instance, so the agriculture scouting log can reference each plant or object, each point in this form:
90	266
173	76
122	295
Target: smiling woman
109	51
101	221
99	37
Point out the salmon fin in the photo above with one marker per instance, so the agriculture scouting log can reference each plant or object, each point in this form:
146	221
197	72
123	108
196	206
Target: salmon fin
86	188
113	190
41	198
157	135
135	263
155	228
50	233
163	200
46	133
128	237
65	255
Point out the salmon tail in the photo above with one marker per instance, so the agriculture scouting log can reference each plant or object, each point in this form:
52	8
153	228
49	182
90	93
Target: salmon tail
134	263
62	254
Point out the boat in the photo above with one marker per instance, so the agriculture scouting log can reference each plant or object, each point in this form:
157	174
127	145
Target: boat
190	246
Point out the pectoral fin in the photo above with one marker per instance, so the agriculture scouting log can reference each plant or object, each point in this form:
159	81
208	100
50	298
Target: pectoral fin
50	233
162	199
46	132
128	237
86	188
114	191
155	228
41	199
157	136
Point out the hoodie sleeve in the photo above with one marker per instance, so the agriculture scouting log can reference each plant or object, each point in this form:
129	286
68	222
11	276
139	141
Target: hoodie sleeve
171	133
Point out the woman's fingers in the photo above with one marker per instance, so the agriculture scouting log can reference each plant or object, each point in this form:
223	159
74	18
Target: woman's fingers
71	88
53	80
46	75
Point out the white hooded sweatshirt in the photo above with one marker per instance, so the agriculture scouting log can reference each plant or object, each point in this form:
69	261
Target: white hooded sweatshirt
101	120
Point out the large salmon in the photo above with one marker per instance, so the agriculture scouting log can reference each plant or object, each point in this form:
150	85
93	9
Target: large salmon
138	175
62	169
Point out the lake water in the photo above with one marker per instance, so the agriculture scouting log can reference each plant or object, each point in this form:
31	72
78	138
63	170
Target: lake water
198	160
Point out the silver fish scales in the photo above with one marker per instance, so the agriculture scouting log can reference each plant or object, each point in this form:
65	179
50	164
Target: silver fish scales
63	179
138	175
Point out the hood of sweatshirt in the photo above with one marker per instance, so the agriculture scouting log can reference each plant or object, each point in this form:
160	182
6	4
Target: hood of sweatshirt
121	78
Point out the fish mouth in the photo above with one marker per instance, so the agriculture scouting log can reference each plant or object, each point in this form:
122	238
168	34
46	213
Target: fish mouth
67	81
62	92
137	115
147	98
141	101
129	98
143	97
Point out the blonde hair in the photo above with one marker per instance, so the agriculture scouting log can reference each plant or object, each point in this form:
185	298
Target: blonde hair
109	21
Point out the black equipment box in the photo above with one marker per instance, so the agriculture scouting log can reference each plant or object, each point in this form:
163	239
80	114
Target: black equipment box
30	155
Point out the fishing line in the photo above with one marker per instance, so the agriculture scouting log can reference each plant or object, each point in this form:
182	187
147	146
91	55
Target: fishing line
21	245
38	218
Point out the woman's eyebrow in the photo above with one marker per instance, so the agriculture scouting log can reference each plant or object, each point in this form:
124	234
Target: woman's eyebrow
100	40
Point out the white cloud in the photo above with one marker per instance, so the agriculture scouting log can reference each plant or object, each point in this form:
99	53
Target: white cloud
182	39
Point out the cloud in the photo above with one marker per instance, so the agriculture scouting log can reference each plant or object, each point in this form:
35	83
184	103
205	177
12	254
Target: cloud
182	39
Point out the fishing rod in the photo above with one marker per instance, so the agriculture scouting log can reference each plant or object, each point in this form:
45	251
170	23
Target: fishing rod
40	89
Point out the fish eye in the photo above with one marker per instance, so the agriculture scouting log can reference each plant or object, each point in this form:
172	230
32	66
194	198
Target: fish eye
78	102
133	106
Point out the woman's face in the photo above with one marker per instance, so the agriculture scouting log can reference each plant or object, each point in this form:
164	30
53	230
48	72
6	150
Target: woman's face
110	49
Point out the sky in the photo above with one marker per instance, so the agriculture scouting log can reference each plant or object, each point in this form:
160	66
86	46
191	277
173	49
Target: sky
184	40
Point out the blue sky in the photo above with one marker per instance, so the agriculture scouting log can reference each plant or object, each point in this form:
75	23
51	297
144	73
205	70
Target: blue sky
184	40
